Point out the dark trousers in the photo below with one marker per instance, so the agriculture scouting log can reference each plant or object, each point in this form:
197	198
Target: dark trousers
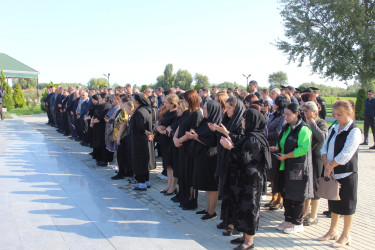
142	178
1	110
72	128
84	127
61	120
294	211
369	123
66	123
49	115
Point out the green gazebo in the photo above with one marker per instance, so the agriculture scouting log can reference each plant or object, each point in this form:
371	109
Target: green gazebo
15	69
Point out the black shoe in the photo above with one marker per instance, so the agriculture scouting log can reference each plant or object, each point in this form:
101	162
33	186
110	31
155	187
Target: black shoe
326	213
102	164
373	147
274	207
229	232
202	212
208	217
72	138
117	177
163	191
364	143
176	198
77	139
310	223
240	247
237	241
66	134
169	194
221	225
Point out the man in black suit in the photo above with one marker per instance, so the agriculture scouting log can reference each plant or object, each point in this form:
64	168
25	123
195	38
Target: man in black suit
253	87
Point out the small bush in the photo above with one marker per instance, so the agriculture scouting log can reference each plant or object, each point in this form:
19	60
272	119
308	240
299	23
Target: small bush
18	97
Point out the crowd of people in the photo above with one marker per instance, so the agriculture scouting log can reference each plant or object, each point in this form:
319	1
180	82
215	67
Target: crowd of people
228	143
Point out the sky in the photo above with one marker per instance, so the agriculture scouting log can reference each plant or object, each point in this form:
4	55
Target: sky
76	40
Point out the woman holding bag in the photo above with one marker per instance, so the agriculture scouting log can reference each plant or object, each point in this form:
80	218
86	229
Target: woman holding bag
340	157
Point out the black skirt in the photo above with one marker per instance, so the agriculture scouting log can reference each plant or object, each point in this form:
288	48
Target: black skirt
165	150
348	195
204	172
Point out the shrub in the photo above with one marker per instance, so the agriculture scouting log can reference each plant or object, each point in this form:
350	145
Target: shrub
7	98
360	104
18	97
44	95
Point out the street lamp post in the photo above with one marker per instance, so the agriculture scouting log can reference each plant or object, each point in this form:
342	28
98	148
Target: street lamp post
247	79
107	78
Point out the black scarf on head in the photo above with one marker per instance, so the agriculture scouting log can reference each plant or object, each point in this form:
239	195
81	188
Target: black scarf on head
255	124
233	124
143	101
214	116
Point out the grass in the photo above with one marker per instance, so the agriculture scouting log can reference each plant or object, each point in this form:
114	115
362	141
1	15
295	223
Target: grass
330	100
27	111
358	123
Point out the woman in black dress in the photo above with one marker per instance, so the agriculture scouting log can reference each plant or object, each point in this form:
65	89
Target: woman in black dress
188	196
169	116
205	157
171	130
141	141
103	156
230	126
248	161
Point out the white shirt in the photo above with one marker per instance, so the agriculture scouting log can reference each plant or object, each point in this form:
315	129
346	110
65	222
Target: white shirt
351	146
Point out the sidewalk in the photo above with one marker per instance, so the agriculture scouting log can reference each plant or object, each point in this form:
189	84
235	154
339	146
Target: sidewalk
205	233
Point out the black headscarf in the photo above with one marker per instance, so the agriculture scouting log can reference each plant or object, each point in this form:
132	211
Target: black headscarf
95	97
214	112
143	101
205	134
234	122
255	124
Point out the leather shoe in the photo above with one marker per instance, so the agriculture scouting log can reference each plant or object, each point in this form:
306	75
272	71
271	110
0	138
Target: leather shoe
237	241
364	143
117	177
240	247
373	147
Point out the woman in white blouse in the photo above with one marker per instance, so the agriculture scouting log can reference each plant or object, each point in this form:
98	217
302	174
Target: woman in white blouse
340	157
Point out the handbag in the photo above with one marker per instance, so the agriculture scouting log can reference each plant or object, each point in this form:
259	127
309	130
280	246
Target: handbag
328	188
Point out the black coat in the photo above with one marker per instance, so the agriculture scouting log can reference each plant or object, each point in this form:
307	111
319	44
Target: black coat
142	150
99	128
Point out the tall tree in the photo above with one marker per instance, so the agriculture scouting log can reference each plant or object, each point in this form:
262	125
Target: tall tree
169	78
201	80
96	83
337	37
277	79
183	79
26	83
7	98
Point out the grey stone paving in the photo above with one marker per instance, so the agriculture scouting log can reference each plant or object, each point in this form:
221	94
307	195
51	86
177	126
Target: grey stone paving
206	234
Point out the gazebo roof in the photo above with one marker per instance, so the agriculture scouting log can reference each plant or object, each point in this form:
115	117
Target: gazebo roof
15	69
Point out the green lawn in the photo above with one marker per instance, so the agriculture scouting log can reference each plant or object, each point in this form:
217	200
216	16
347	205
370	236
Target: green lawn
358	123
330	100
27	111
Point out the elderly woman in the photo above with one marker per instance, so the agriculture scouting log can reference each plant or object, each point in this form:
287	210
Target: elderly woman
247	162
340	158
141	141
319	129
294	177
273	129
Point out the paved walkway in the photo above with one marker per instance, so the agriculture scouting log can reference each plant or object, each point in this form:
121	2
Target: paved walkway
204	233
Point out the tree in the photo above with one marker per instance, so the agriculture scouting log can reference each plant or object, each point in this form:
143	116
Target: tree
201	80
336	36
7	98
360	105
169	78
183	79
26	83
96	83
277	79
18	97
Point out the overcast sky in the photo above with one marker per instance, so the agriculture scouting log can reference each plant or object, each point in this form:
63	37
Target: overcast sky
73	41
